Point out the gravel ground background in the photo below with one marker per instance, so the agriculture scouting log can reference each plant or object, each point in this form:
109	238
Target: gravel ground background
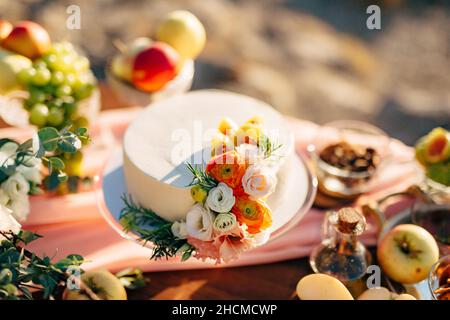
311	59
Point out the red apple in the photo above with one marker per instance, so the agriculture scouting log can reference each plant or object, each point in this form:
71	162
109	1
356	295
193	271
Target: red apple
155	66
29	39
5	29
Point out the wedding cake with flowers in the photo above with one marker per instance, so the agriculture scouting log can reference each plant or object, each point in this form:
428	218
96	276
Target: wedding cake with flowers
209	174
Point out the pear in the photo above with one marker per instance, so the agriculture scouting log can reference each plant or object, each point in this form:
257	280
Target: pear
10	65
322	287
102	283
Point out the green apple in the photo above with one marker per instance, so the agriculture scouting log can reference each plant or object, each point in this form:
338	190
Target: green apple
407	253
10	66
184	32
103	283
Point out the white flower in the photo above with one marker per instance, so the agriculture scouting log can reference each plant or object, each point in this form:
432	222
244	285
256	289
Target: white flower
199	223
6	152
16	186
179	229
250	152
7	221
224	223
4	198
31	173
259	181
20	207
220	198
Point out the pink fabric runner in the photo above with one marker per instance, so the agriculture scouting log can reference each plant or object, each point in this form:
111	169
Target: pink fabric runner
73	223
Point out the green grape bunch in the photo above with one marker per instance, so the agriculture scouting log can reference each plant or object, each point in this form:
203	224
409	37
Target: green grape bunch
56	83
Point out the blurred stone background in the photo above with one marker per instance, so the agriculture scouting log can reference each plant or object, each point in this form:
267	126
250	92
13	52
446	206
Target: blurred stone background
311	59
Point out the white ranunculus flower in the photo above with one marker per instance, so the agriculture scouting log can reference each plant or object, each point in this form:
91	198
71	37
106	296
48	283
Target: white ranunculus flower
7	221
199	223
32	174
20	207
4	198
179	229
220	198
16	186
224	223
259	181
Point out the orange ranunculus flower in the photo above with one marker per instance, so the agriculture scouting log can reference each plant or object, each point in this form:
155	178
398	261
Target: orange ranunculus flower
228	168
254	213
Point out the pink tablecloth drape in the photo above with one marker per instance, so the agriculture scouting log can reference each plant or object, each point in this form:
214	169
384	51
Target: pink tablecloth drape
73	223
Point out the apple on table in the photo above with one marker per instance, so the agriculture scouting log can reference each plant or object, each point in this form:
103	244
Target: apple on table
407	253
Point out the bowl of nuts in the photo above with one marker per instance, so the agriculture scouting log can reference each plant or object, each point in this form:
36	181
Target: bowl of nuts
347	156
439	279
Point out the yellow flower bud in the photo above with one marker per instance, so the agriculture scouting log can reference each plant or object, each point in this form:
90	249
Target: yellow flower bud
220	144
198	194
227	126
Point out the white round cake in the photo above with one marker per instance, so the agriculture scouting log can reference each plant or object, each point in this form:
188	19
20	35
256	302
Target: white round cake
173	132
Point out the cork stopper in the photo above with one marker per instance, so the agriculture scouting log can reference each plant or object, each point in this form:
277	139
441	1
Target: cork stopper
350	221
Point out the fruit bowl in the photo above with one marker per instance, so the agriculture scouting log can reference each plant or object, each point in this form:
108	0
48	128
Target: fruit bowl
13	112
130	95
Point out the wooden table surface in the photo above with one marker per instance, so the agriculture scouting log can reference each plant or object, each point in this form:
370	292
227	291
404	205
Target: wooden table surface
271	281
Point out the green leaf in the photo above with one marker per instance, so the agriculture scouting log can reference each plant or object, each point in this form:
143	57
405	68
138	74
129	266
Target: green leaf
69	143
26	292
186	256
62	177
81	132
49	137
76	259
57	163
52	182
27	145
28	236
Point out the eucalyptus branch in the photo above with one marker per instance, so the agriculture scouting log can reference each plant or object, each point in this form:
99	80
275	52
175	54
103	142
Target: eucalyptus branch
21	269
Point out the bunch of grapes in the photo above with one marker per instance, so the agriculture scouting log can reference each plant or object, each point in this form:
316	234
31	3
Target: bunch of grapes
56	83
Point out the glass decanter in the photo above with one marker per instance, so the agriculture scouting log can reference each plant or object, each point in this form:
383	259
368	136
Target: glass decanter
341	254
